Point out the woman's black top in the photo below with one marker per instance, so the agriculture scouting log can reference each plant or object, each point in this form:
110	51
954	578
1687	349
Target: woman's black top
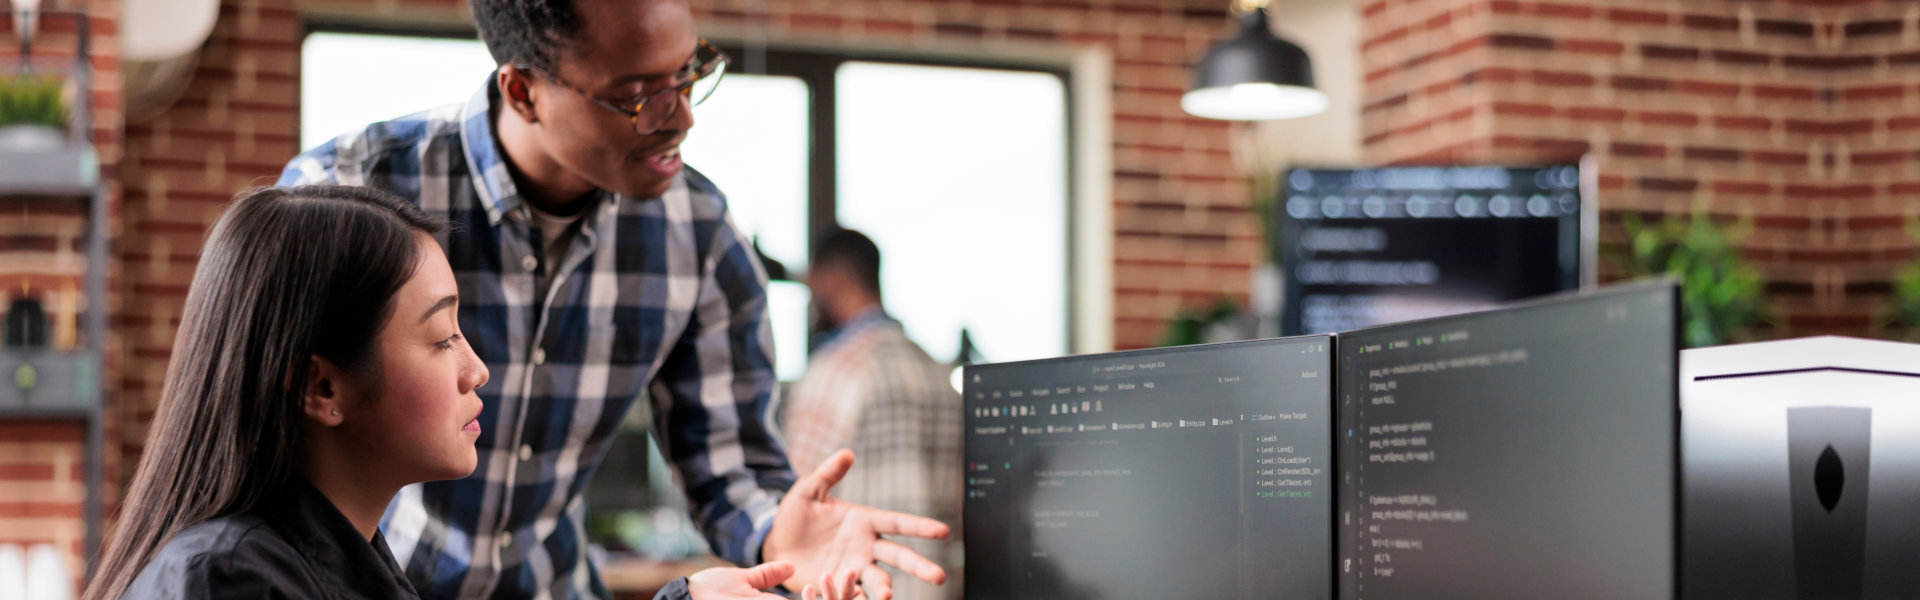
292	544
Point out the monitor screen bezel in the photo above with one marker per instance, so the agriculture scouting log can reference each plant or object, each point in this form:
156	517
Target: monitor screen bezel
1665	284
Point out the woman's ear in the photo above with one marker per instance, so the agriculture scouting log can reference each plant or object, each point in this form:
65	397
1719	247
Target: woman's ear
326	392
516	89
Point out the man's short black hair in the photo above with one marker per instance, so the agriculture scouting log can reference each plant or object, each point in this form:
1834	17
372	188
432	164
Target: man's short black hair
526	33
853	252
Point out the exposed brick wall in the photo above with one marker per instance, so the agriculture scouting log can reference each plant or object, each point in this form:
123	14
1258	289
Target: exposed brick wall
1798	114
233	129
42	489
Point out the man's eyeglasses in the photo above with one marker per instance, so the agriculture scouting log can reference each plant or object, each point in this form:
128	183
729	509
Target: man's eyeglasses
651	111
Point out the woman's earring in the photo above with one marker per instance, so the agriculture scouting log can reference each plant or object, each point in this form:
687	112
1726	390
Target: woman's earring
336	412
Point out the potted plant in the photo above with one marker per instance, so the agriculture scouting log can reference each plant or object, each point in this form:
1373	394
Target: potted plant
1902	316
33	111
1723	295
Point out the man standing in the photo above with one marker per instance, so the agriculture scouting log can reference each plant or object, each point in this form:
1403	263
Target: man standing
869	388
593	267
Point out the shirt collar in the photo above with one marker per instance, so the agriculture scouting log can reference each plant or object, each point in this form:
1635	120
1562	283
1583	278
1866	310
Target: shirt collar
486	161
869	318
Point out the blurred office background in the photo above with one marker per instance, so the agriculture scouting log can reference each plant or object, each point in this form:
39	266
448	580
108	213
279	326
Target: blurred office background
1025	165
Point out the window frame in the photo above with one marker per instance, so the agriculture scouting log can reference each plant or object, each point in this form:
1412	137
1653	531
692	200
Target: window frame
817	66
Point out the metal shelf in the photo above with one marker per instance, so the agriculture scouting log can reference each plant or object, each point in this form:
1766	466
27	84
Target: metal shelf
40	166
59	380
46	413
63	170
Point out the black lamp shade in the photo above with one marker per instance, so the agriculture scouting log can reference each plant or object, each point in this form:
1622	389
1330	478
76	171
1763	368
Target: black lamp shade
1254	77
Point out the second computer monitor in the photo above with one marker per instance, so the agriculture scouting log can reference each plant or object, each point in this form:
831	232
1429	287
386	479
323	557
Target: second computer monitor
1528	452
1194	472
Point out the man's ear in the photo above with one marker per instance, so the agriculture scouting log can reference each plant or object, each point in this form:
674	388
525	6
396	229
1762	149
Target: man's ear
325	400
516	90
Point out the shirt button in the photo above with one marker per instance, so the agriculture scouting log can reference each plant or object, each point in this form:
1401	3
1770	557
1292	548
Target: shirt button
526	451
530	262
506	539
539	356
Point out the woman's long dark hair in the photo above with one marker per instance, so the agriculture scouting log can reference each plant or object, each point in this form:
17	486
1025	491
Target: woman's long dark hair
287	274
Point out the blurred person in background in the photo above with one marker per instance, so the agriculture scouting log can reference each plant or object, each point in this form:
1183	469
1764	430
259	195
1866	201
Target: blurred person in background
869	388
594	266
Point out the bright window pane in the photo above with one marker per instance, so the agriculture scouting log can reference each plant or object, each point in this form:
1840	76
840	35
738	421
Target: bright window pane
751	139
787	310
350	80
960	176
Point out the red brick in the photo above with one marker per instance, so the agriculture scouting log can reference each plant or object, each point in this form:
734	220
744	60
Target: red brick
1639	84
1677	119
1668	52
1778	158
1860	29
22	431
1633	150
1712	154
1562	79
1710	22
1829	127
26	472
1710	88
1596	114
1663	184
1743	122
1784	28
1874	159
1515	40
1742	188
1522	109
1791	93
889	27
1636	17
1743	58
1603	47
1876	92
40	510
1565	11
1492	75
815	22
1387	37
1830	63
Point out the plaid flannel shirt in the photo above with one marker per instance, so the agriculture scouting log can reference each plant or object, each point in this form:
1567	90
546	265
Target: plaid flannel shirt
663	295
871	389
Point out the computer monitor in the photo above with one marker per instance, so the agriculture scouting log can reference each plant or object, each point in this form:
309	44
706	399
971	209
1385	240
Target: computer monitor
1802	470
1190	472
1526	452
1365	247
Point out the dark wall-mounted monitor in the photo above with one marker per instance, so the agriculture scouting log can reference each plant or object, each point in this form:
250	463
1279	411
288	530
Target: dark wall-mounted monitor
1364	247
